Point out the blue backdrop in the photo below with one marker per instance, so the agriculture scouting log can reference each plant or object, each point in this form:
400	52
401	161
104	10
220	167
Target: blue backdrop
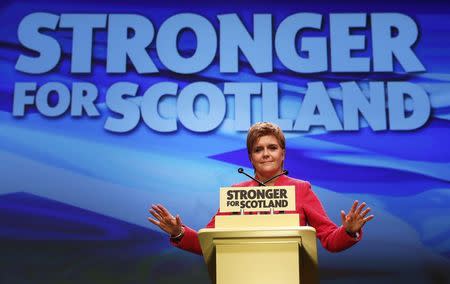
74	195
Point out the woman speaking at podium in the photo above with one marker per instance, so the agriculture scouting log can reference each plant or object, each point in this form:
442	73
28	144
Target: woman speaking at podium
266	151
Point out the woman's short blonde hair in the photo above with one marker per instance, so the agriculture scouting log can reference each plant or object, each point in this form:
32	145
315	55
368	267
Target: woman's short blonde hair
263	129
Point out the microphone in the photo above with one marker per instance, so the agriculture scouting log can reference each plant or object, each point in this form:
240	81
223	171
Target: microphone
241	171
284	172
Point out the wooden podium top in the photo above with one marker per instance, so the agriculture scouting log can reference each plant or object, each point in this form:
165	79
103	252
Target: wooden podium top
206	236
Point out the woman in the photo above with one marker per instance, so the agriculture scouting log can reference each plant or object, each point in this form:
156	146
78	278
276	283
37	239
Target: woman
266	151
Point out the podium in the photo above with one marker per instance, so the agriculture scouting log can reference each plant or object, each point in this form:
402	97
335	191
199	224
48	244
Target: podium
260	249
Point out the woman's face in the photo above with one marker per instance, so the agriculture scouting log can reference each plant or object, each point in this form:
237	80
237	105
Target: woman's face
267	156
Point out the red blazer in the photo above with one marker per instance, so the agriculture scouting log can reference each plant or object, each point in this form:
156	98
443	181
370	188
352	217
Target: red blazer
332	237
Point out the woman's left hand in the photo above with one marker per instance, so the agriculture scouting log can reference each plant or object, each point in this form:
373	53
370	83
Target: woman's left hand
356	217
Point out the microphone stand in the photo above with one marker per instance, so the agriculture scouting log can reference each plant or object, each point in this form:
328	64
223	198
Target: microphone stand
284	172
260	183
241	171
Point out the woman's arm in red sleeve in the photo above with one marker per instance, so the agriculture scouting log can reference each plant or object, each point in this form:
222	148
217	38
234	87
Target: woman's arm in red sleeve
190	241
332	237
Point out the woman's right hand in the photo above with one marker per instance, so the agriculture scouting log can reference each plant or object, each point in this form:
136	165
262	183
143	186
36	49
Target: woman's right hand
166	221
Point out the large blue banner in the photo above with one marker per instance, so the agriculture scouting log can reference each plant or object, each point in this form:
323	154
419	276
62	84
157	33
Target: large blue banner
108	107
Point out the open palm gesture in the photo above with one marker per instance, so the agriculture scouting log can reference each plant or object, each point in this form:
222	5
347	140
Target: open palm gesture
356	217
166	221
